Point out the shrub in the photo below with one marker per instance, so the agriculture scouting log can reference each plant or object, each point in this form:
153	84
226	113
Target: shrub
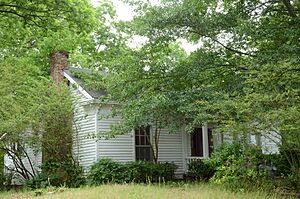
107	170
5	181
290	182
201	170
39	181
166	170
237	167
145	171
54	173
2	182
220	155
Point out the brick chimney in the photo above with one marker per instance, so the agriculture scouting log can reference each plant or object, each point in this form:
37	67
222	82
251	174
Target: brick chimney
58	62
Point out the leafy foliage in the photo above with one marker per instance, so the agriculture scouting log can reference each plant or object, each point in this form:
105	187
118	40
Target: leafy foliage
242	167
200	170
143	97
109	171
244	76
105	171
65	173
55	127
35	113
145	171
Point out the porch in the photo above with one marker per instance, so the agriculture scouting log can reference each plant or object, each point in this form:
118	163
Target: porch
199	145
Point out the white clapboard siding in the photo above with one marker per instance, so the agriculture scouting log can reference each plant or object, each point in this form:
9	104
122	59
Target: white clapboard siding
120	148
269	143
171	149
35	159
84	145
33	165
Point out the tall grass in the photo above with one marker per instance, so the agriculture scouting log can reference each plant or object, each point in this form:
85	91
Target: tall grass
137	191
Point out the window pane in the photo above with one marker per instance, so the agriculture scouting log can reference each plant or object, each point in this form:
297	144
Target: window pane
143	151
137	154
147	140
137	140
142	140
147	153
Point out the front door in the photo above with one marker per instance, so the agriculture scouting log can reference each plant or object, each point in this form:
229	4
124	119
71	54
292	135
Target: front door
197	143
197	146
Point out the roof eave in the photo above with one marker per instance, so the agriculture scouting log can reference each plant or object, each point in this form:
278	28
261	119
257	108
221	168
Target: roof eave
81	90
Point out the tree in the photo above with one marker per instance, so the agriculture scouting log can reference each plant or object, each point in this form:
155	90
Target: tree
17	109
31	107
143	97
244	78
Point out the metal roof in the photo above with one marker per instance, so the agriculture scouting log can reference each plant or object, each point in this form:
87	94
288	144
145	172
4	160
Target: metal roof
92	92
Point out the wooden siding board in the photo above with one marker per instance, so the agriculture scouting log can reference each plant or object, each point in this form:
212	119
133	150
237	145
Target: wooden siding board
119	148
269	143
84	126
171	149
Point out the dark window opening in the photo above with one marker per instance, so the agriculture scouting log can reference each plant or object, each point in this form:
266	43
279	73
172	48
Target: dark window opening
197	143
142	143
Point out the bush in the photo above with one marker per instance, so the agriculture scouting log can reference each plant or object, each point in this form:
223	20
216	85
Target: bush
201	170
39	181
166	170
220	155
290	183
5	181
107	170
237	167
68	173
145	171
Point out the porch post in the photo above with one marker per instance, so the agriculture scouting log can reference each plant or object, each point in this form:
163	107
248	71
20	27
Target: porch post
184	149
205	141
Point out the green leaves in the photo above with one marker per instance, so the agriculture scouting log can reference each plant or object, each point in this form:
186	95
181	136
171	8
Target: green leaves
33	112
145	95
244	78
18	80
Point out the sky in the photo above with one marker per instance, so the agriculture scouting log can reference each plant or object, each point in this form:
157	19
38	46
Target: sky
126	13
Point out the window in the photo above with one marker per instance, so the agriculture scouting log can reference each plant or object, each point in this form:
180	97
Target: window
142	143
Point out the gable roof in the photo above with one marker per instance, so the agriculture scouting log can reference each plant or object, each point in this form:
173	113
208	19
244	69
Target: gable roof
71	72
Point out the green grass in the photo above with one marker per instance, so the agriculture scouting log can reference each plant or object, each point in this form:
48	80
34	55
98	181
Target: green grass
134	191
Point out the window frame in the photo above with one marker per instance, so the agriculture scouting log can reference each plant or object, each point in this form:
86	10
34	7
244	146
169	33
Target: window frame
142	144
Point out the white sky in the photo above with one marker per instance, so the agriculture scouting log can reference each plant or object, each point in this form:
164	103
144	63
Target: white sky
126	13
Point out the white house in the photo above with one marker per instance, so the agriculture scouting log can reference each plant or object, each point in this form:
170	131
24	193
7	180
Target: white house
179	147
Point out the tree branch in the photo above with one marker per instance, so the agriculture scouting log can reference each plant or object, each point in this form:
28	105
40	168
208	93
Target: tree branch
12	12
24	8
290	9
221	44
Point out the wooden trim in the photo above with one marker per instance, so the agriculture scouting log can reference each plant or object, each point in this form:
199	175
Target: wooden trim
184	149
133	145
96	132
205	141
72	81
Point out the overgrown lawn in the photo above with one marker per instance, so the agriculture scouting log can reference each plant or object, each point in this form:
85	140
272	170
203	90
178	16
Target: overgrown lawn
133	191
